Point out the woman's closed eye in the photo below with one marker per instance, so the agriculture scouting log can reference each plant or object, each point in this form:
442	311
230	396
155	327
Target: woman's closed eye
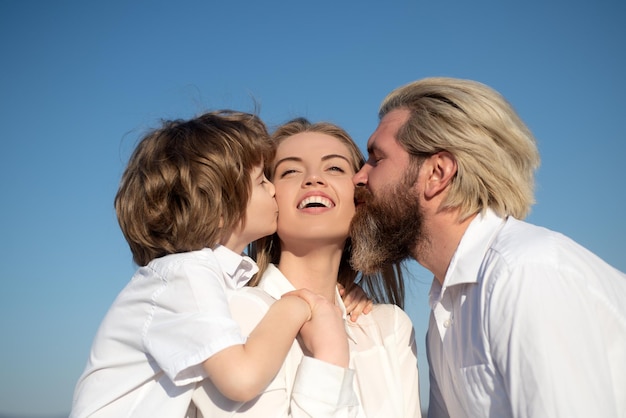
283	173
340	168
337	168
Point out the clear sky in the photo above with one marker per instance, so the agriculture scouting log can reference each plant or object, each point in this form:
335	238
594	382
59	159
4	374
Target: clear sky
81	81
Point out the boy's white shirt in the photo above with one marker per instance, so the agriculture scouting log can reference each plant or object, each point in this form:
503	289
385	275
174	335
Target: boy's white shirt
173	315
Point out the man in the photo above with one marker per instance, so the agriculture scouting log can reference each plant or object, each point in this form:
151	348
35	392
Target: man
524	322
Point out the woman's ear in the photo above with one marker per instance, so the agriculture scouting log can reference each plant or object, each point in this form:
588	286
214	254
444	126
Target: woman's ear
441	168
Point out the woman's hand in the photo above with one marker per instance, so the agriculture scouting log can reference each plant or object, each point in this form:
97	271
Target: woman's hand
324	335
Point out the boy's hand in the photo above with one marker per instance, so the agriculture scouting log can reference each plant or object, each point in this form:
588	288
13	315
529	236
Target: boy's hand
356	302
324	335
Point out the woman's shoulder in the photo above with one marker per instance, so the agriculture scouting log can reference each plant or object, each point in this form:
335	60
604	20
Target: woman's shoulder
252	294
388	309
386	325
248	305
388	314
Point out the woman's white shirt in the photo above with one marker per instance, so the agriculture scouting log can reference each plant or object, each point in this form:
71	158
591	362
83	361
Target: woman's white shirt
382	380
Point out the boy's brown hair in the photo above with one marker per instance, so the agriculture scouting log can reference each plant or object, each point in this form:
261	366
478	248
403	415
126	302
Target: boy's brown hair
187	184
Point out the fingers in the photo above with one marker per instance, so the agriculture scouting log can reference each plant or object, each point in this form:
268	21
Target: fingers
368	308
315	301
311	298
363	307
302	301
356	303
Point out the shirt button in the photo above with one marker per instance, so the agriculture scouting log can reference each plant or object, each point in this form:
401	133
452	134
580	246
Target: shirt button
447	323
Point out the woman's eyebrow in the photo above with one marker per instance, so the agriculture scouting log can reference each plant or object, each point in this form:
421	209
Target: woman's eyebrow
282	160
299	160
331	156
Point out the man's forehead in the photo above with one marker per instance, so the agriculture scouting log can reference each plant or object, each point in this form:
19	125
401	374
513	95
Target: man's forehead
387	128
399	116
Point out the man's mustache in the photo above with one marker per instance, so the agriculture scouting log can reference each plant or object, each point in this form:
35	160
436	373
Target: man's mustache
362	195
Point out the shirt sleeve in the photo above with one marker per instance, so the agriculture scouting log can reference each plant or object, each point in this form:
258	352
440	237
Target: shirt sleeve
191	320
547	343
323	390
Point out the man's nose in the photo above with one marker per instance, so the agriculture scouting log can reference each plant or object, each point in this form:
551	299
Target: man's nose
360	178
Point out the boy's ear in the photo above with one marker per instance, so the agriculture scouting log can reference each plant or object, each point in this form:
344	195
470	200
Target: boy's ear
442	168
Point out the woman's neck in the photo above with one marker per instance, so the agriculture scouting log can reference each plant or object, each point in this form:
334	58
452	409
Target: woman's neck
315	268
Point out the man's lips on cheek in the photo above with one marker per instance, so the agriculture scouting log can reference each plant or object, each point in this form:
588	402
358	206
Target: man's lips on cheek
361	195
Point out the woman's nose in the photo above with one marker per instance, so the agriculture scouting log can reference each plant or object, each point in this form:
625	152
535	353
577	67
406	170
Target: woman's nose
314	179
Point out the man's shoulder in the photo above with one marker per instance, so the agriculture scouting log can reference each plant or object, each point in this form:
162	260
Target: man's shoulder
520	241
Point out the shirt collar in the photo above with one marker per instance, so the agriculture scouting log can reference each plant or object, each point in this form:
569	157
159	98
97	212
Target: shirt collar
237	267
275	284
470	253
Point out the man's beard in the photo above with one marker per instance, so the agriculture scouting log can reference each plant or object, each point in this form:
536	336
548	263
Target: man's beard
386	229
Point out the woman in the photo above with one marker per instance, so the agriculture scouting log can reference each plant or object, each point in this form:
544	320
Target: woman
312	173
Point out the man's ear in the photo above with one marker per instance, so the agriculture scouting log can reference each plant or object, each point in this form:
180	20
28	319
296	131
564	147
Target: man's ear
441	168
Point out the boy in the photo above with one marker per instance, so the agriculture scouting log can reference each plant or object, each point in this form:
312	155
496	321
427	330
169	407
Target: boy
191	199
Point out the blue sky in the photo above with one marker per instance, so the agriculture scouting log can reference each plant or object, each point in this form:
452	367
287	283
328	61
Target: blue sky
81	81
